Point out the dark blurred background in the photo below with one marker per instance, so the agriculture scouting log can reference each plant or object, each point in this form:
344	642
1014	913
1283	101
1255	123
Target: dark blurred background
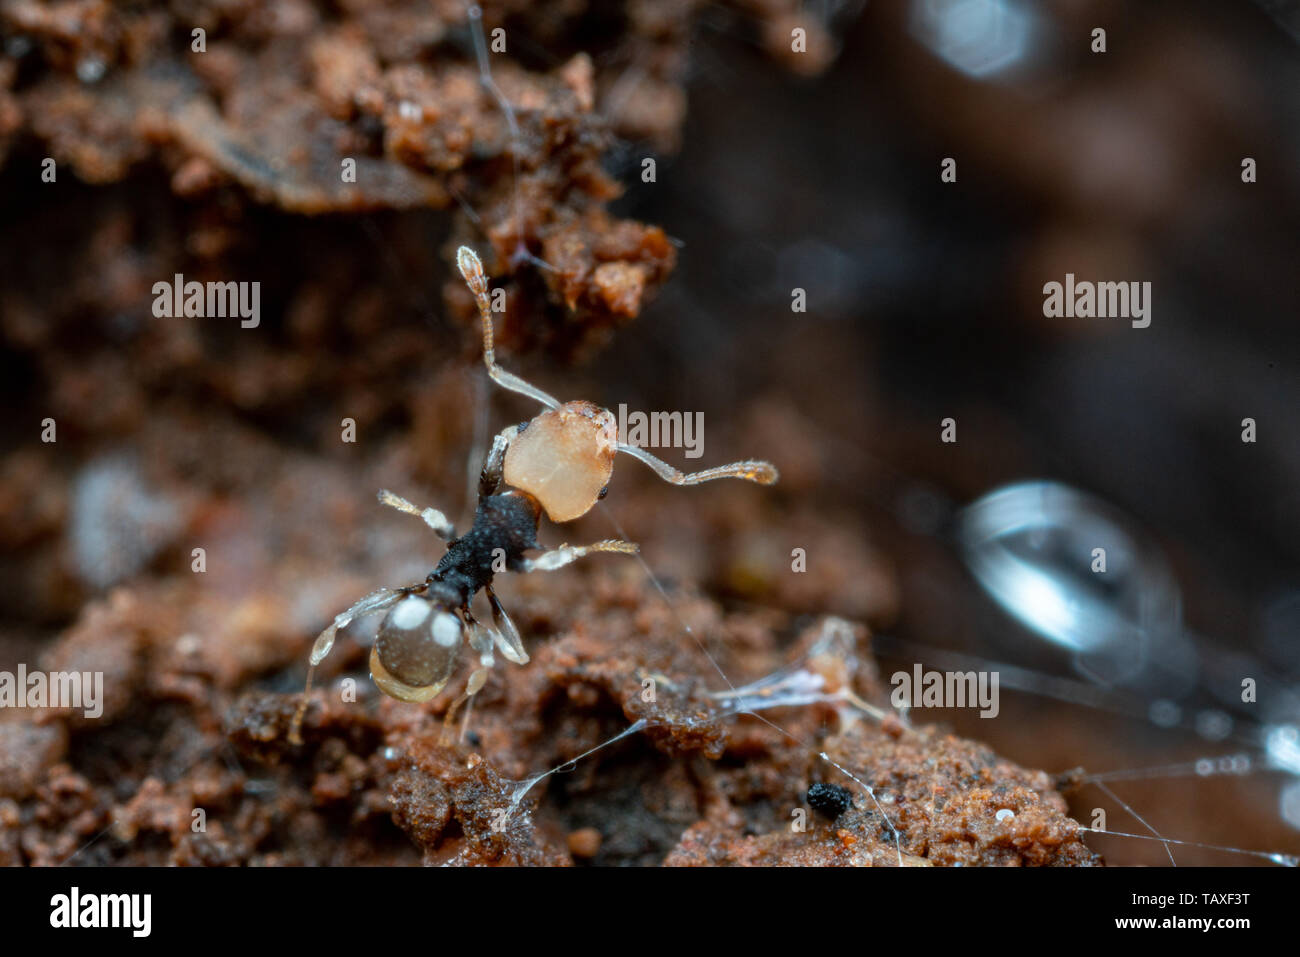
925	301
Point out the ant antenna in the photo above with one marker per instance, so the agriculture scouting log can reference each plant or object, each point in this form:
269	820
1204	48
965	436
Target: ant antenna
471	267
751	470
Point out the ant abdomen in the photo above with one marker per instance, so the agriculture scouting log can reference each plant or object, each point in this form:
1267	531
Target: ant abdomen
416	650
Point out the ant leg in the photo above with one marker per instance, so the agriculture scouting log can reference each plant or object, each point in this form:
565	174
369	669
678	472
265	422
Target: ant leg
432	517
752	470
472	269
490	478
559	557
505	634
477	679
376	601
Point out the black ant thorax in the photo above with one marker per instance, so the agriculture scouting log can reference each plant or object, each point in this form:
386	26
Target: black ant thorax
505	527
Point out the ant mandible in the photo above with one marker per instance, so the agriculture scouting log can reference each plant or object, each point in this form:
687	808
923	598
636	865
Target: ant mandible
559	463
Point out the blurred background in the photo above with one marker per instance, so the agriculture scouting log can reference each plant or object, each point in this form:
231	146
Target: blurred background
926	302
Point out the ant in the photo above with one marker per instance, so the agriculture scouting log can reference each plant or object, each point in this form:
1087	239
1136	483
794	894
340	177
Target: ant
559	463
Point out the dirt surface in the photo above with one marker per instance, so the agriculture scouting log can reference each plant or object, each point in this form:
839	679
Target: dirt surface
183	730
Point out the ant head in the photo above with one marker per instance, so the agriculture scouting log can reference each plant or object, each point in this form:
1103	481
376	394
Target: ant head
416	649
564	458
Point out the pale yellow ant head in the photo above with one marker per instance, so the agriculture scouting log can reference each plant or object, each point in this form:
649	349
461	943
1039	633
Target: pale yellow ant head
564	458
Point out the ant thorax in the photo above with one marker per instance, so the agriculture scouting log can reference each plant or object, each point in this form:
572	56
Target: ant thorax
505	526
